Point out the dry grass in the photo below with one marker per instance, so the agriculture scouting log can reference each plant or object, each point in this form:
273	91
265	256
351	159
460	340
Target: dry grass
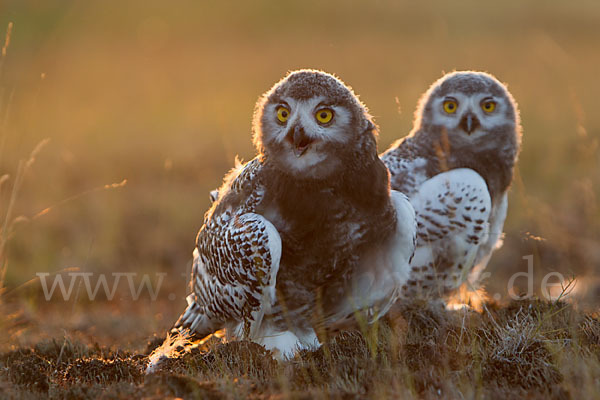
525	350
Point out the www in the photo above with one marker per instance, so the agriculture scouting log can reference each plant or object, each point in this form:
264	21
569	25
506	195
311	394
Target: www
101	282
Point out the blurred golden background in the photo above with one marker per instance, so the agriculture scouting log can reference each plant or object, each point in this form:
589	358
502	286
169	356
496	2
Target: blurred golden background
162	93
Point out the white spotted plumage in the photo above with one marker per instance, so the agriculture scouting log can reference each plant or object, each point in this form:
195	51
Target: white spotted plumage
235	264
453	222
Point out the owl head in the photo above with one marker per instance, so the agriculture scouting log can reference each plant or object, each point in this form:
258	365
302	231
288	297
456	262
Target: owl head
310	124
472	108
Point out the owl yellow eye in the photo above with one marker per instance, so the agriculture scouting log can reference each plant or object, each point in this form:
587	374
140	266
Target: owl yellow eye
488	106
283	113
450	106
324	116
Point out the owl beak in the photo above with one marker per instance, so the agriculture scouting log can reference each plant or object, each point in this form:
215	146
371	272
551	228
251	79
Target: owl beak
300	141
469	122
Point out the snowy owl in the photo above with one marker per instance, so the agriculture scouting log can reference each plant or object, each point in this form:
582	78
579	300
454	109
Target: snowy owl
306	234
456	166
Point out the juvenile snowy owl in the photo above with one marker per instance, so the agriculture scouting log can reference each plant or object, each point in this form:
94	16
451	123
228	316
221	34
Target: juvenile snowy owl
456	167
308	232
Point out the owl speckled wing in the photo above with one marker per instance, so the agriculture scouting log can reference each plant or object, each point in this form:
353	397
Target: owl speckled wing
407	169
235	261
493	242
453	210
